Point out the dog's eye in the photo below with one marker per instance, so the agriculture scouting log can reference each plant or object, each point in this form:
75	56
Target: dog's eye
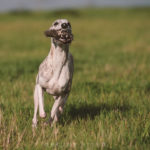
69	24
56	23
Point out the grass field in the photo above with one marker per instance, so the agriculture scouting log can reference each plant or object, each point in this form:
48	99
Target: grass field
109	105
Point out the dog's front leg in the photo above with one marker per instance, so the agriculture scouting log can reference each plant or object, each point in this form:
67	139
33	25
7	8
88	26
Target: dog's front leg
36	104
38	101
41	101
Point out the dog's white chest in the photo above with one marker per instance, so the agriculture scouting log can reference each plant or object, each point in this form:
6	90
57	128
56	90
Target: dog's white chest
56	73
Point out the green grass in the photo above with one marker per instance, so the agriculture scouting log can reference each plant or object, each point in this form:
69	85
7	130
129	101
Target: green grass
109	105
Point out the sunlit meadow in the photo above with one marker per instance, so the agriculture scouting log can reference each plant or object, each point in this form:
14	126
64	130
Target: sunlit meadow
109	105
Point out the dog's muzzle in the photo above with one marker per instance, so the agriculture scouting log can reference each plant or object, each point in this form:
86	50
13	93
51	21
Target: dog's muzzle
64	35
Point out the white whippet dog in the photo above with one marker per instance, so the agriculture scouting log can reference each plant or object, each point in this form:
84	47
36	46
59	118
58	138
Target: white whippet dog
55	72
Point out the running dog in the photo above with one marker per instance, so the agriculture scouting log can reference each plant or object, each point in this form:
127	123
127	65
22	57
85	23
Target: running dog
55	72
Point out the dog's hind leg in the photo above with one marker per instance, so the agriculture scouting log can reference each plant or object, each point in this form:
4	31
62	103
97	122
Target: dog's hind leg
61	107
57	108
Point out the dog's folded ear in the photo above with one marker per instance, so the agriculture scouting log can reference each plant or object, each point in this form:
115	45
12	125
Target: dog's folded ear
51	33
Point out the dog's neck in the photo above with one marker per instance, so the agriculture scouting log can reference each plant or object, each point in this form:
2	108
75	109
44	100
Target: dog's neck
59	51
58	56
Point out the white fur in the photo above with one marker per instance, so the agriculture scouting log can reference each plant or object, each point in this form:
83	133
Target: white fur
55	77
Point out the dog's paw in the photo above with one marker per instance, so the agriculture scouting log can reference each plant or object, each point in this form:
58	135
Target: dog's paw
60	109
43	115
34	123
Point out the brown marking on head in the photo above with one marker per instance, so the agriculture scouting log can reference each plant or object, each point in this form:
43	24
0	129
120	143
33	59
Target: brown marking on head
51	33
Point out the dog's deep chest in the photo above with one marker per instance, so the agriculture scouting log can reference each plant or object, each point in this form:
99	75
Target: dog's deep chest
56	70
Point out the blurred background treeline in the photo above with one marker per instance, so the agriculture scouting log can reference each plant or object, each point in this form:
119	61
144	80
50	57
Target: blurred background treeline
11	5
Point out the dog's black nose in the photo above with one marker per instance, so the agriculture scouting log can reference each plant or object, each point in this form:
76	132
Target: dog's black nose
64	25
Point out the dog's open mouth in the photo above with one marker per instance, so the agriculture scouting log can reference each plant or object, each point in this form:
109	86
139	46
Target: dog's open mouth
64	36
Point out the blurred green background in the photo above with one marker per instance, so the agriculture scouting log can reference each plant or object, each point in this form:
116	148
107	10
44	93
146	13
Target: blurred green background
109	105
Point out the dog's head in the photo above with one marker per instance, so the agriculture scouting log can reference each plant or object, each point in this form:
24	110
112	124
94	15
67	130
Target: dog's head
61	31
